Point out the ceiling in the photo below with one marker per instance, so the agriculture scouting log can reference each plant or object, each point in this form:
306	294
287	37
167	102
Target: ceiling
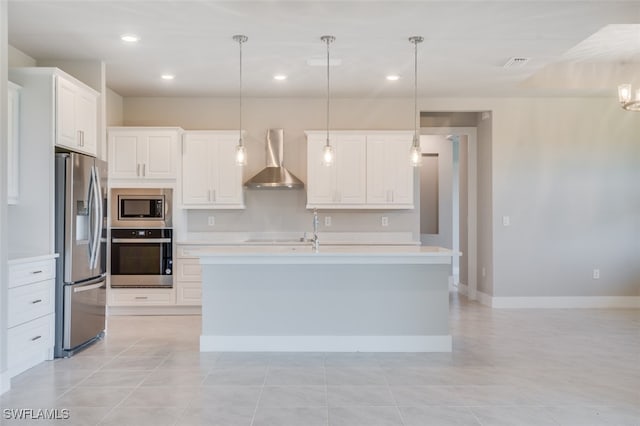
576	47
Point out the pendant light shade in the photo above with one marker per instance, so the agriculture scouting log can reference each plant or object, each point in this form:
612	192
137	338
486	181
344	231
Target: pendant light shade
415	154
328	154
627	101
241	152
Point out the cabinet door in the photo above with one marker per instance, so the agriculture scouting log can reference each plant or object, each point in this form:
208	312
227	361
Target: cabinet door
13	157
321	180
389	173
86	122
66	129
123	159
226	174
351	175
196	163
399	170
157	156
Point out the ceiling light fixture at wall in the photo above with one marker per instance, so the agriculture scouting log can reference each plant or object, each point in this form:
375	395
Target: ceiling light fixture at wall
167	76
393	77
280	77
626	101
241	152
415	154
328	155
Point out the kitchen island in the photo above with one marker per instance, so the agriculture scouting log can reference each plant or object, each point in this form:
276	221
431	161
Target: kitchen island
339	299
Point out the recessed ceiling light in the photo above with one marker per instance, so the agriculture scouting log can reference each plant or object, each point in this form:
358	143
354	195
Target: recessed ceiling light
130	38
168	76
393	77
280	77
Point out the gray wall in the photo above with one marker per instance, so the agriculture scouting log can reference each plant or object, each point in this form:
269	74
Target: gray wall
564	169
485	205
4	380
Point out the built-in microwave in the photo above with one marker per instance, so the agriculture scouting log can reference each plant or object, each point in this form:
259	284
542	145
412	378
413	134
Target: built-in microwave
136	207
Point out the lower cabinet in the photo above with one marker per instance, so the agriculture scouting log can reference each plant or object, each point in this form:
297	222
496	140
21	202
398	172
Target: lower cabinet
142	297
189	281
30	313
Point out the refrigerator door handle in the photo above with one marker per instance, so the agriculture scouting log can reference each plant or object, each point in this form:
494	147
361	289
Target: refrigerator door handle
98	212
88	287
92	213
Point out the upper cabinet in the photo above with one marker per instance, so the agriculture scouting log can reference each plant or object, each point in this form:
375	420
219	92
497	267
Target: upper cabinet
389	172
142	153
211	179
371	170
343	184
76	117
13	146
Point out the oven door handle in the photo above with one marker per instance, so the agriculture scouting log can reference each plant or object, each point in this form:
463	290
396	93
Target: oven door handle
140	240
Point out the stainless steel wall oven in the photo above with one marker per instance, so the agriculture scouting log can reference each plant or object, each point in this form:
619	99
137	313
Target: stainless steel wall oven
141	258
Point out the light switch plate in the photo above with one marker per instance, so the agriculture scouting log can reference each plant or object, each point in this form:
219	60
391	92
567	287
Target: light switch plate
385	221
327	221
211	220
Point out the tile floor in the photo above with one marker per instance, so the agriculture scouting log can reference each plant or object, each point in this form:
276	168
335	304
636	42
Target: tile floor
508	367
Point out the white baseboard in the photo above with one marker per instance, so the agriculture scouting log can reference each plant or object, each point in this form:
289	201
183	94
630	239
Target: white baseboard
5	382
210	343
154	310
567	302
559	302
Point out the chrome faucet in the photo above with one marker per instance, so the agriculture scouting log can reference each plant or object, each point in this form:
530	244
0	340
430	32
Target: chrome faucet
315	242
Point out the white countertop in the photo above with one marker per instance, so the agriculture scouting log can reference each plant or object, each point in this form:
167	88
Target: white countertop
295	238
328	254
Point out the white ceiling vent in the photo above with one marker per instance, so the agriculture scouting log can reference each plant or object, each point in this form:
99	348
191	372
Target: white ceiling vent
516	62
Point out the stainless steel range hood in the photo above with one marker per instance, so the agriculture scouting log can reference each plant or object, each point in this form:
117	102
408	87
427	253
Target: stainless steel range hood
275	175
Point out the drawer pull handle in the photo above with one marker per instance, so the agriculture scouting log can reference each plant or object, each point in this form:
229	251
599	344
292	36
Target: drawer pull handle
141	297
33	339
36	301
36	272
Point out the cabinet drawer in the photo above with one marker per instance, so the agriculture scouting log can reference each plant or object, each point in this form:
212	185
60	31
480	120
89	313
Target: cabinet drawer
189	270
30	301
29	341
26	273
141	297
189	293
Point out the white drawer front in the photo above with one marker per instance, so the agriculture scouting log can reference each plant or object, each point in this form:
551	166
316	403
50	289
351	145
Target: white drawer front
189	293
189	270
26	273
30	301
28	340
142	297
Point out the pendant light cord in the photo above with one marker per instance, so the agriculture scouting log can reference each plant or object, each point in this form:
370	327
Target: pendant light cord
415	93
240	142
328	39
328	92
240	39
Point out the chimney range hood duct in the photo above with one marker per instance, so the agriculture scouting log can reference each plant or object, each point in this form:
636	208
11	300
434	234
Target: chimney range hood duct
274	175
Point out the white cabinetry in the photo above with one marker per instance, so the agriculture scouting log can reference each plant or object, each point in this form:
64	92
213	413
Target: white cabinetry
210	177
76	116
30	313
189	279
13	146
142	153
343	184
142	297
389	172
371	170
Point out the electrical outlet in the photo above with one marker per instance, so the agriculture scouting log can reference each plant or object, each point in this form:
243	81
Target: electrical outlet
327	221
596	274
506	221
484	271
211	220
385	221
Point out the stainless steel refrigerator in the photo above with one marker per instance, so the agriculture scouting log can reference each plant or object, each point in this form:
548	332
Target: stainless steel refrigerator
80	235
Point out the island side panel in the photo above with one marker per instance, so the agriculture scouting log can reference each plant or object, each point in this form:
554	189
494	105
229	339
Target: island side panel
318	306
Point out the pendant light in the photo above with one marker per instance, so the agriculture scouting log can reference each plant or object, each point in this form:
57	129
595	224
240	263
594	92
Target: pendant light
415	155
328	155
241	152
